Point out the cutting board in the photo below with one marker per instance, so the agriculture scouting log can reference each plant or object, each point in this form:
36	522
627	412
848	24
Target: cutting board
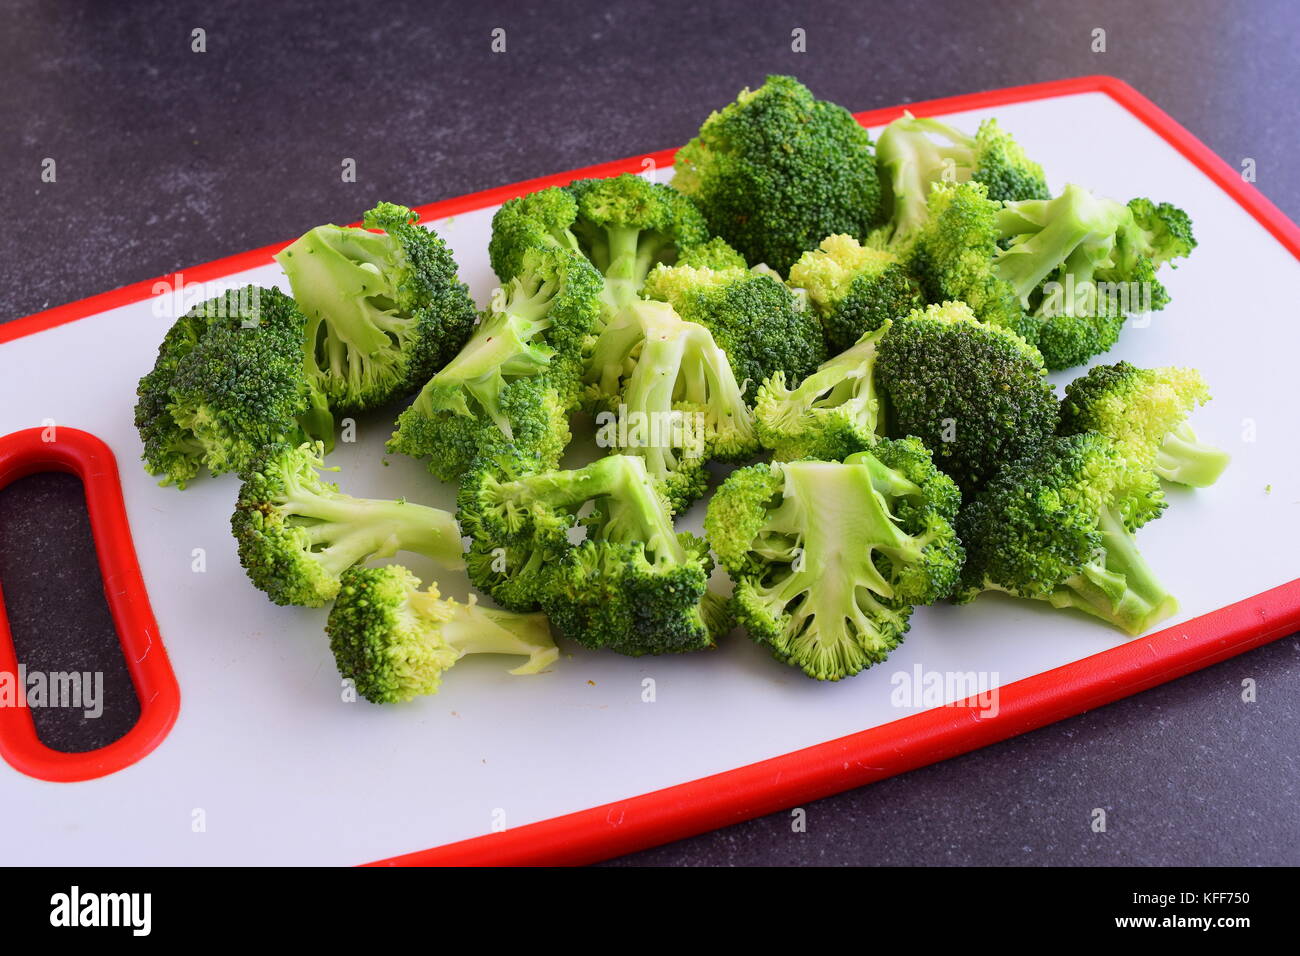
602	753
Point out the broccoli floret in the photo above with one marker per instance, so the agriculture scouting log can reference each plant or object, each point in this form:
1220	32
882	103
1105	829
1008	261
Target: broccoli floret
1057	526
633	585
754	318
975	394
624	225
1158	232
395	641
228	380
1080	264
911	161
854	288
678	407
515	383
1144	412
297	533
777	171
953	257
831	414
385	310
828	559
716	254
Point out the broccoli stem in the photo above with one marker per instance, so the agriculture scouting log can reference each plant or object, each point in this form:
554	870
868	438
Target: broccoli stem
1184	458
472	629
356	529
1122	589
631	509
317	422
335	272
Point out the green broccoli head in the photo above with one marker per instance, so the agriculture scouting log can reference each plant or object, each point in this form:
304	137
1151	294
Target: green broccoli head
831	414
633	585
829	558
228	380
1159	232
778	170
297	533
854	289
664	391
754	318
395	641
1057	526
1080	264
911	159
1144	413
625	225
953	257
385	309
975	394
518	378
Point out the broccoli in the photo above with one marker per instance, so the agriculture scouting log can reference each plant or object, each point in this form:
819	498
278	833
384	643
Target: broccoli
395	641
910	161
515	383
1081	264
828	559
385	310
1144	411
854	288
975	394
633	585
678	407
754	318
777	171
831	414
297	533
953	255
1057	526
1158	232
624	225
228	380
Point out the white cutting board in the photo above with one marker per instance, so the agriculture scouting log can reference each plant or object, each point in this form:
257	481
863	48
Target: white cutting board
285	772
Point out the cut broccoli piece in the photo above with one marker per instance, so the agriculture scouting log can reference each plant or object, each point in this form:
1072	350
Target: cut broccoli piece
1081	264
678	407
228	380
854	289
1057	526
953	257
1144	412
395	641
297	533
624	225
1158	232
828	559
753	317
911	161
633	585
831	414
975	394
385	310
515	383
777	171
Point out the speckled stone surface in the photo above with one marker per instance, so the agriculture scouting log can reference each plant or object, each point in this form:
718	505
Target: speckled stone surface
167	158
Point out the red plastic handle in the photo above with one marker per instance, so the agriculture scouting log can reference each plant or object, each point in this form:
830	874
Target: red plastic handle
59	448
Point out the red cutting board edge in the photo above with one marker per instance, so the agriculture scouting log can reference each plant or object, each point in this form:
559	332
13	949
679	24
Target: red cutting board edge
847	762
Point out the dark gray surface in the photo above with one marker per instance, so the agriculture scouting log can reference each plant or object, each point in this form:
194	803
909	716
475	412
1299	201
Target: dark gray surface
168	158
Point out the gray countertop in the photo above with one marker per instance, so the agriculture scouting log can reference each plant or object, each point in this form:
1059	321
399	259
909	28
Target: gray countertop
167	158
